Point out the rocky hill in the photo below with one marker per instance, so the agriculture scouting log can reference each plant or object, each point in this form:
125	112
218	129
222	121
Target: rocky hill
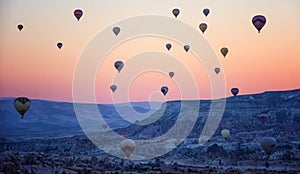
241	152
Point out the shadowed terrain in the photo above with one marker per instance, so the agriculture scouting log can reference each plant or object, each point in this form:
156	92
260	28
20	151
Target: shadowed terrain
49	138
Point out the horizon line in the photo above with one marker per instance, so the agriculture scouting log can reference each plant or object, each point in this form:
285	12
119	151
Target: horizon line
141	101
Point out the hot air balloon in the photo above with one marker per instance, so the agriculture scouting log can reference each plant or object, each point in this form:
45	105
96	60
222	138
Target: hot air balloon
186	48
225	133
78	13
128	147
217	70
263	117
124	134
113	88
20	27
175	12
259	22
224	51
268	144
168	46
203	27
206	11
22	104
59	45
164	90
104	126
171	74
235	91
119	65
116	30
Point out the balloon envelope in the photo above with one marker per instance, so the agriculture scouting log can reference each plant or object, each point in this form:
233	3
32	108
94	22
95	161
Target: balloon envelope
234	91
124	134
22	104
119	65
59	45
203	27
206	11
263	117
171	74
225	133
217	70
78	13
259	22
104	126
113	88
175	12
20	27
168	46
224	51
268	144
128	147
164	90
186	48
116	30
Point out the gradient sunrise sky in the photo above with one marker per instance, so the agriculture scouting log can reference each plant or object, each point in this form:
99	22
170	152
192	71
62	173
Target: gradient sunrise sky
31	65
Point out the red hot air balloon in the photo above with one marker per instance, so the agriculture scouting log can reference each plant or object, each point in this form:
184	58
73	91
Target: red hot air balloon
78	13
259	22
263	117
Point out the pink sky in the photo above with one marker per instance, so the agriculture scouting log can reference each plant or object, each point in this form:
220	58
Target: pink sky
31	65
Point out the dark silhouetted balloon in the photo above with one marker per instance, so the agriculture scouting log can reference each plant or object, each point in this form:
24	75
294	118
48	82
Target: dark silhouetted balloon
59	45
217	70
78	13
203	27
22	104
168	46
235	91
263	117
128	147
164	90
113	88
259	22
268	144
206	11
116	30
176	12
119	65
186	48
20	27
224	51
171	74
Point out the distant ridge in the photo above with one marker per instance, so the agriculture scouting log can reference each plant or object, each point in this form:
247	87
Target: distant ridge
58	119
139	102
